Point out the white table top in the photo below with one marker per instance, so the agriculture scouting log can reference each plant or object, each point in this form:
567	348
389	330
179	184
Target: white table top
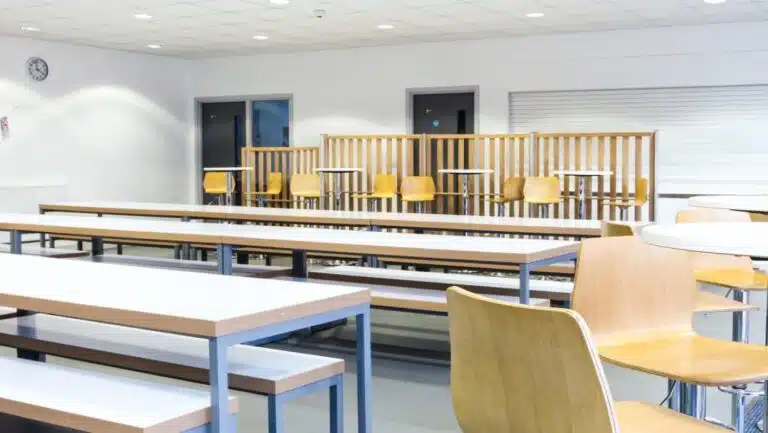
745	239
338	170
227	169
489	223
163	300
585	173
465	171
744	203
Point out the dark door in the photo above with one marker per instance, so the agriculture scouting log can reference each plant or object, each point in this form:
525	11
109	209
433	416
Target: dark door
223	135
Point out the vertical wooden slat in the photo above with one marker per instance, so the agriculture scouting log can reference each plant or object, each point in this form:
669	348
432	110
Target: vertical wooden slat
614	150
589	165
440	165
625	168
601	180
567	179
450	164
524	146
638	172
652	177
284	171
555	144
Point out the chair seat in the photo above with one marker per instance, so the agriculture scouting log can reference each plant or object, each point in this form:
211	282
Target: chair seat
637	417
713	303
216	191
740	279
691	358
419	197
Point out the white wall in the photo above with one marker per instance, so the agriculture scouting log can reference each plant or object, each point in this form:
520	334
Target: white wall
104	125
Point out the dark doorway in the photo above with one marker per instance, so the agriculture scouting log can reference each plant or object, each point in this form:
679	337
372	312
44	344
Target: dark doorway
271	123
223	135
444	113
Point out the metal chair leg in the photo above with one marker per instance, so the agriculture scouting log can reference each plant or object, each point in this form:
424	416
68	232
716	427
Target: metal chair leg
500	209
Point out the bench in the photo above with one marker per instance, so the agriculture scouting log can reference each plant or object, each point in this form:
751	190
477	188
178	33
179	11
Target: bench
281	376
37	250
96	402
191	265
559	269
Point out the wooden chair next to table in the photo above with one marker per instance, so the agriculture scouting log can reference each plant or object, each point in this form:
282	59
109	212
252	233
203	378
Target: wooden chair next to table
638	301
417	190
512	192
641	198
215	183
542	192
384	187
306	187
274	188
555	385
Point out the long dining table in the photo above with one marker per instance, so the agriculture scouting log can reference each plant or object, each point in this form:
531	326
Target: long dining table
528	254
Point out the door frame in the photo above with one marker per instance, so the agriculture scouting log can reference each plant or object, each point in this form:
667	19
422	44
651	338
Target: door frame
411	92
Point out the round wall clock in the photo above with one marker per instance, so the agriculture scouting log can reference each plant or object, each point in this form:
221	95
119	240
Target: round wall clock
37	69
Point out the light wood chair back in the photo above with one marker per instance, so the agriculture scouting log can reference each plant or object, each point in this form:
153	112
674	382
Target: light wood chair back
626	289
702	261
542	189
274	183
610	229
513	189
305	185
520	369
385	185
417	188
215	182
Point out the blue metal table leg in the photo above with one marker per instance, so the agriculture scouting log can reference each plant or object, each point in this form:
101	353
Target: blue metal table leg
364	375
225	259
15	242
525	280
336	394
220	419
276	417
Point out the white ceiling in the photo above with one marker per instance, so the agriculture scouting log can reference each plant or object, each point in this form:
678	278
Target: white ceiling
201	28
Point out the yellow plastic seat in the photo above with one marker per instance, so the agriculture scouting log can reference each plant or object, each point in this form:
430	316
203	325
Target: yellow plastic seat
612	229
542	192
417	190
641	198
215	183
384	187
556	384
512	192
274	188
306	187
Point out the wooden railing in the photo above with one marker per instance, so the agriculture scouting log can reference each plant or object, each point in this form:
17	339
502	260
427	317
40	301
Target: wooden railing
286	160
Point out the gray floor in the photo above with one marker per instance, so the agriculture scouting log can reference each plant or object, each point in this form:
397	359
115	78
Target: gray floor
411	392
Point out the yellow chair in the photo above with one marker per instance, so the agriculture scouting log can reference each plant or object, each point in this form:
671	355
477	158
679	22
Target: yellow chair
521	369
512	191
641	198
638	301
274	188
306	187
542	192
611	229
417	190
215	183
384	187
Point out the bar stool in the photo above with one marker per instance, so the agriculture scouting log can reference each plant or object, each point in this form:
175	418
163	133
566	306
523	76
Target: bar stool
555	385
306	188
215	183
542	192
638	301
274	188
417	190
384	187
641	198
512	192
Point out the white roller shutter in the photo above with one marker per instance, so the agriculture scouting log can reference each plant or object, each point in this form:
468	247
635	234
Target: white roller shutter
711	139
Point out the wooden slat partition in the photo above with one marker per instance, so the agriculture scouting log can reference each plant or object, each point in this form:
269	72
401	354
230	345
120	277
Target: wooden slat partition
285	160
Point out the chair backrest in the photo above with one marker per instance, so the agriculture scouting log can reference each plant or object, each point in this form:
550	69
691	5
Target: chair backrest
513	188
305	183
518	369
702	261
641	192
615	228
542	188
417	185
274	183
215	182
626	289
385	184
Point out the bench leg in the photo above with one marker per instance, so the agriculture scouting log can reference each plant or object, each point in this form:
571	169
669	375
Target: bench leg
299	262
219	380
79	245
225	259
119	249
336	394
275	415
97	246
364	377
177	252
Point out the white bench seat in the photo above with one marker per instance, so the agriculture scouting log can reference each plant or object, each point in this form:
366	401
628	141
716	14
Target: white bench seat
252	369
544	289
37	250
97	402
408	298
260	271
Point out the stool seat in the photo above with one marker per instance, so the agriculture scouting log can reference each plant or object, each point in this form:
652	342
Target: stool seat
691	358
734	278
639	417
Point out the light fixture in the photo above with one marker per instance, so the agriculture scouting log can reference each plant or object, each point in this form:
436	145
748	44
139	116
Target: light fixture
142	16
534	15
29	29
714	2
280	2
385	26
261	37
154	46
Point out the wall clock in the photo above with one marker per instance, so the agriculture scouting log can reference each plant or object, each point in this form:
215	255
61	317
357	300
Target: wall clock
37	69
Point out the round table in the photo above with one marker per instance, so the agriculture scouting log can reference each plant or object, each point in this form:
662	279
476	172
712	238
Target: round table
464	173
743	203
337	173
582	176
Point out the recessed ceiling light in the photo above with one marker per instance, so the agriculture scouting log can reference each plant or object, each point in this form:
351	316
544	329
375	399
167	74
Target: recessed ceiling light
279	2
261	37
534	15
30	29
154	46
714	2
143	17
386	26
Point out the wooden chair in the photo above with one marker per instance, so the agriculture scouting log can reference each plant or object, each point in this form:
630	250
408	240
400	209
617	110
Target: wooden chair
417	190
512	192
641	198
521	369
306	188
638	301
215	183
542	192
274	188
384	187
611	229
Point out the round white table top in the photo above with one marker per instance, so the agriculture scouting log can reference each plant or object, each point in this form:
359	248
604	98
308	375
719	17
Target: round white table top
741	239
745	203
338	170
588	173
465	170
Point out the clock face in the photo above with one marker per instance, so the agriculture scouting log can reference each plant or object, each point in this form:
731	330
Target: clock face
37	69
